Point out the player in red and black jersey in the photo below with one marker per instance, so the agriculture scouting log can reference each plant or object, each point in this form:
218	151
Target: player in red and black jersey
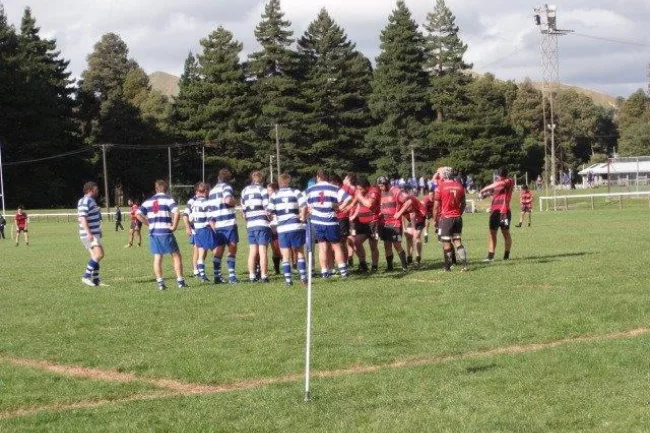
392	200
526	203
414	213
368	215
21	224
346	225
500	214
448	209
136	225
428	202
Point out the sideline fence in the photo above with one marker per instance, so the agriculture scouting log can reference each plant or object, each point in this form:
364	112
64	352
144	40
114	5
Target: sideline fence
562	201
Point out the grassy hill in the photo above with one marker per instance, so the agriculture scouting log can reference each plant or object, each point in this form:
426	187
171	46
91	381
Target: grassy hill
168	85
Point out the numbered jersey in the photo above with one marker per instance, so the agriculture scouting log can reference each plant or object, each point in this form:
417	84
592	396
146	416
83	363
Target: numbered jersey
451	196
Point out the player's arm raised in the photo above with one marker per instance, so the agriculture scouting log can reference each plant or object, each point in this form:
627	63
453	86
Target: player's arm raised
490	187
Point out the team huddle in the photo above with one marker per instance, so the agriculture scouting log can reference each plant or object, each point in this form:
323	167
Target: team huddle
339	215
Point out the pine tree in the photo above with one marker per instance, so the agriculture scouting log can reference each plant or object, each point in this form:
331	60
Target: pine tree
273	72
120	108
445	63
336	86
39	111
398	101
223	113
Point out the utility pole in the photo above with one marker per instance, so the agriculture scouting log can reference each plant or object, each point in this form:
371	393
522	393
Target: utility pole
413	163
2	182
271	167
203	163
546	19
107	193
277	147
169	166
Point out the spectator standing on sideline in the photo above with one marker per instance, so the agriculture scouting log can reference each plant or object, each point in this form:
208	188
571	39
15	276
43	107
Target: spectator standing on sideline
539	182
21	223
160	213
118	219
90	232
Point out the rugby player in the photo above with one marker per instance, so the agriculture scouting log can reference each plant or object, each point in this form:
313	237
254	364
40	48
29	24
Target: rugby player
500	214
526	203
160	214
367	226
136	225
21	224
222	212
204	234
415	214
289	206
190	231
449	205
392	199
272	188
90	232
323	200
254	201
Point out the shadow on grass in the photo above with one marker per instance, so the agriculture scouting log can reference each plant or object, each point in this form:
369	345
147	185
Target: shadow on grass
480	368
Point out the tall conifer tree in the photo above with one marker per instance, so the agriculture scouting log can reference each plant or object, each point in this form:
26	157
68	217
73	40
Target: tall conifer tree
336	88
399	97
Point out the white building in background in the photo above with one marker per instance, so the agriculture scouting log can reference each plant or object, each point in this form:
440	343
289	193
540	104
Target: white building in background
628	171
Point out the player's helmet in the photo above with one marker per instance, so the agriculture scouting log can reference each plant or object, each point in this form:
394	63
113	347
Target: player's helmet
382	180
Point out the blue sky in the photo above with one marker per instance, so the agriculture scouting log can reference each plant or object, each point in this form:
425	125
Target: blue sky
501	36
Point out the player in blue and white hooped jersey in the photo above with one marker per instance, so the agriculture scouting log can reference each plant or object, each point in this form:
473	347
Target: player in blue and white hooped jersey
289	206
254	200
190	232
160	213
90	232
204	238
324	199
272	188
222	213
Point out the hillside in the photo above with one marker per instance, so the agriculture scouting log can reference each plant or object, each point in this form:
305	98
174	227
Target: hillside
602	99
168	85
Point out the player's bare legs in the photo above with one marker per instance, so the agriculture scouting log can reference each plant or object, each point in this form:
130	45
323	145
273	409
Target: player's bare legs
323	257
254	251
340	259
521	218
409	245
178	265
492	242
374	252
26	236
417	241
507	239
157	266
361	252
460	252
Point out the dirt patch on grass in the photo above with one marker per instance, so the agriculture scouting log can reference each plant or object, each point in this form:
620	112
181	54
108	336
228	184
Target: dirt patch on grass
173	388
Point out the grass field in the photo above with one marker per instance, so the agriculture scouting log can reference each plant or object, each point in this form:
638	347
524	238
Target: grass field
555	340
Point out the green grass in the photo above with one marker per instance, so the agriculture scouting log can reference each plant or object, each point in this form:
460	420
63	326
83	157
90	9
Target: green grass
572	274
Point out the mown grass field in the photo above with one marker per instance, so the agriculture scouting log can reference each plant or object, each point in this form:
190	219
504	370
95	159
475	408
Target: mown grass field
555	340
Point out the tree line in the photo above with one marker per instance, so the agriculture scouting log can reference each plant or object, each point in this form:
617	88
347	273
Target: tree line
328	104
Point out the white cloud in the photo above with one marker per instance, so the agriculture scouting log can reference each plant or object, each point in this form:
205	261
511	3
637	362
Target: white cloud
159	33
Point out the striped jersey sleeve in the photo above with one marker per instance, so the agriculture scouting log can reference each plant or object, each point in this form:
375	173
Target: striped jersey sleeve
87	208
199	213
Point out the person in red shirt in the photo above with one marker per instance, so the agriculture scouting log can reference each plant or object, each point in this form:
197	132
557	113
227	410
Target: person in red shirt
415	214
526	203
368	215
346	225
500	214
136	225
392	200
449	206
428	202
21	223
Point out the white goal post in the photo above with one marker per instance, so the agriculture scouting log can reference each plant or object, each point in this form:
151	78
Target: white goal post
562	201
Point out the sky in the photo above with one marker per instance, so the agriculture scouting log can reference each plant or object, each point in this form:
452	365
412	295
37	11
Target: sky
501	35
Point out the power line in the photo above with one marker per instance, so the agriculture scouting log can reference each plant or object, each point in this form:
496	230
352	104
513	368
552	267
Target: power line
616	41
47	158
502	58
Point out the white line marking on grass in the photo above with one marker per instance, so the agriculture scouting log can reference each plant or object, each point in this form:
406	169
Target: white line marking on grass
173	388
